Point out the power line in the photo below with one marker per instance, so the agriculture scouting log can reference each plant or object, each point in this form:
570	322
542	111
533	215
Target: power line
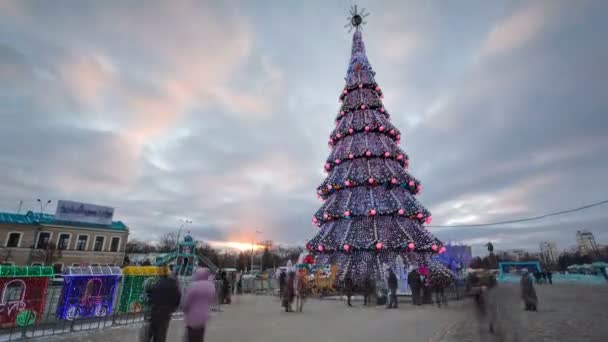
524	219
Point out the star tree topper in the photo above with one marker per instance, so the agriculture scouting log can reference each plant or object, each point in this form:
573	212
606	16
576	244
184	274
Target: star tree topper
356	19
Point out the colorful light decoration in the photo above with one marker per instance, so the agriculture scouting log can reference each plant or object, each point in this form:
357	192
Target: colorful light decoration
27	286
88	292
136	280
371	215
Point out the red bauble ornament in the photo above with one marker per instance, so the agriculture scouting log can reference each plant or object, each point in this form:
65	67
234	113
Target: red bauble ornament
371	180
350	131
411	183
400	157
429	219
381	128
411	245
320	248
434	247
362	106
382	110
368	154
347	182
338	135
347	213
360	85
345	92
419	215
366	128
342	113
442	250
346	247
379	245
325	216
394	181
329	187
337	161
377	88
351	156
387	154
391	132
401	212
314	220
372	212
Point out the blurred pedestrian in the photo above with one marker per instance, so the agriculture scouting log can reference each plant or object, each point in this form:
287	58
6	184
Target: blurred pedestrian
164	300
302	289
196	305
528	293
348	288
226	289
550	277
282	281
392	288
544	275
368	290
439	289
413	280
289	291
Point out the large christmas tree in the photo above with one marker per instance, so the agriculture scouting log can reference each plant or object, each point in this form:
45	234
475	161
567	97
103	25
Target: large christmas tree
370	215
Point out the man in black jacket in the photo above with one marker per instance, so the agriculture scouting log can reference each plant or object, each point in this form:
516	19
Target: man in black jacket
413	280
165	298
392	287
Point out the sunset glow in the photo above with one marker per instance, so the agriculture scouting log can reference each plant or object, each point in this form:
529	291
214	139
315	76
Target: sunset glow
241	246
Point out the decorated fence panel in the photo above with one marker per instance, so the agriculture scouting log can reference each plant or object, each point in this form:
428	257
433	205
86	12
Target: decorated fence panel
135	283
88	292
23	293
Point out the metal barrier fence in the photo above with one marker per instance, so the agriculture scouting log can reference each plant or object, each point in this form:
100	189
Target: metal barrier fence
53	319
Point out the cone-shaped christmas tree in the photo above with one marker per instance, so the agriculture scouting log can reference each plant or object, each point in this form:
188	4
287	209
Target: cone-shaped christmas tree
369	215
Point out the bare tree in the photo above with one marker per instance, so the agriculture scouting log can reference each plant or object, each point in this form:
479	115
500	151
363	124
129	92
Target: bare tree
168	242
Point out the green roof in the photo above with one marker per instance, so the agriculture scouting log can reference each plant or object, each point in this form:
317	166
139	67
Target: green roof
26	271
31	218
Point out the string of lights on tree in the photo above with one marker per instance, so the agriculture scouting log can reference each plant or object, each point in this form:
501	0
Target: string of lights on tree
370	215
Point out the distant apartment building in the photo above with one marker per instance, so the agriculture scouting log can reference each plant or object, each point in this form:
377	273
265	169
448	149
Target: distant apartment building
548	252
62	240
517	255
585	242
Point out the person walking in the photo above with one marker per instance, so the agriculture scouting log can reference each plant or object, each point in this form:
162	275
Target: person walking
413	280
550	277
528	293
439	289
164	300
302	289
282	281
392	287
196	305
226	289
348	289
289	291
368	290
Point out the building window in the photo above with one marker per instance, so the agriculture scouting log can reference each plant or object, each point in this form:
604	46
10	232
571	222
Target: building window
64	241
14	291
81	244
58	268
115	245
43	240
98	246
14	240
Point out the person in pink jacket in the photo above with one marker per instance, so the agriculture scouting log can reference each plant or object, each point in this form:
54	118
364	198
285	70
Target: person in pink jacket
196	304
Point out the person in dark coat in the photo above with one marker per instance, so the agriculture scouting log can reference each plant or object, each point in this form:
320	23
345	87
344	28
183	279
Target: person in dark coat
282	281
348	289
528	293
226	289
413	280
368	290
550	277
165	297
290	291
393	283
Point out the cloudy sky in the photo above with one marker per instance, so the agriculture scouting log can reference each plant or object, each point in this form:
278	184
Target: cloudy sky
219	111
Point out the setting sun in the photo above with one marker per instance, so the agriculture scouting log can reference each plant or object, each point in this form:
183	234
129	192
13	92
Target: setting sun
241	246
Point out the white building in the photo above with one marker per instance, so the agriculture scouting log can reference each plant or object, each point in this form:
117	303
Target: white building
548	252
585	242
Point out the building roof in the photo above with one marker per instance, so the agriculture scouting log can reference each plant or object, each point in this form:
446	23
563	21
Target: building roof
84	271
31	218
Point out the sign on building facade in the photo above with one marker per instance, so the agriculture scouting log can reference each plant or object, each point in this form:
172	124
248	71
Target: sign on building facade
83	212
